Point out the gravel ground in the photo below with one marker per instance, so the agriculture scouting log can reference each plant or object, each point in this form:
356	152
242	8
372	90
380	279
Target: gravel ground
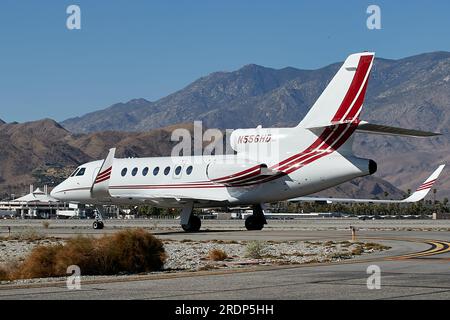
195	255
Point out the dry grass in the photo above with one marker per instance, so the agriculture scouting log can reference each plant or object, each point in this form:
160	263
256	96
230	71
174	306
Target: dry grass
375	246
4	274
340	256
207	267
359	250
128	251
7	270
217	255
28	234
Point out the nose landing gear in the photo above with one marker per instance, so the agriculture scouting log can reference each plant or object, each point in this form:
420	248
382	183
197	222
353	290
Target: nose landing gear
257	220
98	223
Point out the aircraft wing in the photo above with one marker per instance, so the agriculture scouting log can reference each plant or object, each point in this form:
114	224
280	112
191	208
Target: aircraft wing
418	195
170	199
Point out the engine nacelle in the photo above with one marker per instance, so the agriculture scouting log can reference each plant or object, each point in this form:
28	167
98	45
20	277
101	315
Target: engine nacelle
366	166
233	172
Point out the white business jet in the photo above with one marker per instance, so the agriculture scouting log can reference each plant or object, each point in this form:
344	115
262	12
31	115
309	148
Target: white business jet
270	164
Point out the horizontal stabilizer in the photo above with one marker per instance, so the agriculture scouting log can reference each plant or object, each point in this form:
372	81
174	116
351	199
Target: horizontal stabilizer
366	127
418	195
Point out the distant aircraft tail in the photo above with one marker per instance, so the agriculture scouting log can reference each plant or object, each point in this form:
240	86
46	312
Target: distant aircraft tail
425	187
342	100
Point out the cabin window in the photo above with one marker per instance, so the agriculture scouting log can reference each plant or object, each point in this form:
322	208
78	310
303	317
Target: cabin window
145	171
178	170
166	170
155	171
134	171
81	172
124	172
189	170
75	172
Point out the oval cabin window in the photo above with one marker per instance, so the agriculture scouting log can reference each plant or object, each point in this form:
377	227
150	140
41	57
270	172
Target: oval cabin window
166	170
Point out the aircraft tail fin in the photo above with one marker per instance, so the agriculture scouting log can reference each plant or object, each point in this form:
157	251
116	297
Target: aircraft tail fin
342	99
425	187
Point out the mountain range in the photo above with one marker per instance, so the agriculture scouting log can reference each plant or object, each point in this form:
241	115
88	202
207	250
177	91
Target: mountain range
413	92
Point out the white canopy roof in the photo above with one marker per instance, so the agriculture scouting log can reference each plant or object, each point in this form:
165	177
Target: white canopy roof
37	196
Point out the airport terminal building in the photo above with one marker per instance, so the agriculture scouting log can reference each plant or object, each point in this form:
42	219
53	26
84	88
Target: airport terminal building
36	204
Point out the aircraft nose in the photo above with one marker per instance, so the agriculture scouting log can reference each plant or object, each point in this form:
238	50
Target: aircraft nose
54	192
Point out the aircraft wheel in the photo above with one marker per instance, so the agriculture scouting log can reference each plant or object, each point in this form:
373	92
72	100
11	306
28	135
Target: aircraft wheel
254	223
193	225
97	225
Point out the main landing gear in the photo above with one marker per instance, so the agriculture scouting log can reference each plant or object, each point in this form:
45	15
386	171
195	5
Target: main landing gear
257	220
193	224
189	222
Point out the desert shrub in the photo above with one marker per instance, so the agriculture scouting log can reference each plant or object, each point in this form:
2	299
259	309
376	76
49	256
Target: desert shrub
217	255
375	246
358	251
4	274
40	263
255	249
81	251
133	251
46	224
128	251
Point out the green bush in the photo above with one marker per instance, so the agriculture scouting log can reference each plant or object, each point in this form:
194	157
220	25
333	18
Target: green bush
255	249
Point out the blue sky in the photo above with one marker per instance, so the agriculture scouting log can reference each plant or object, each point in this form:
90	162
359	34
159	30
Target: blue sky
148	49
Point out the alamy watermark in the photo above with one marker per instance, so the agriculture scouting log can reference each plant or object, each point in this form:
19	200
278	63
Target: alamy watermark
258	143
374	20
374	280
73	21
74	280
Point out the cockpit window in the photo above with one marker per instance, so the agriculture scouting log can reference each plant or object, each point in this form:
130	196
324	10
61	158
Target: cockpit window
81	172
75	172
